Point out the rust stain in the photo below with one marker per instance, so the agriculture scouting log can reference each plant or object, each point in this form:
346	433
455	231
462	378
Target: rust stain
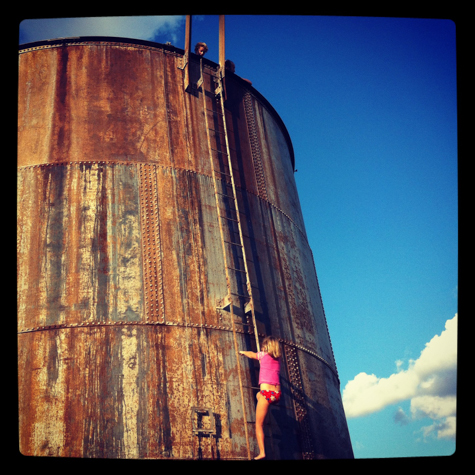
120	263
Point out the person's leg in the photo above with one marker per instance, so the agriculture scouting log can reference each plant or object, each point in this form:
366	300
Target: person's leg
261	412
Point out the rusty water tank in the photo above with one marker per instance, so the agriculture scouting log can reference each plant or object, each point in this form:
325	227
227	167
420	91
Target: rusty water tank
125	344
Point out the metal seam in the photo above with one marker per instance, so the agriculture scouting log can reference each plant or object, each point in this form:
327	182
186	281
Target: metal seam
60	43
98	323
300	405
255	146
151	246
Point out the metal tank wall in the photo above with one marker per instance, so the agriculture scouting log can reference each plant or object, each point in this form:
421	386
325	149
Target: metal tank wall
125	346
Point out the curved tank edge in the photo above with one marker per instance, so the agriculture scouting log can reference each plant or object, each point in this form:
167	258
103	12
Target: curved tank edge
172	49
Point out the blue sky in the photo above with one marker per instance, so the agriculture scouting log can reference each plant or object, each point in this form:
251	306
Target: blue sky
371	108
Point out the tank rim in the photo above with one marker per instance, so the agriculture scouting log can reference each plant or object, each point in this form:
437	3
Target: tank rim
72	40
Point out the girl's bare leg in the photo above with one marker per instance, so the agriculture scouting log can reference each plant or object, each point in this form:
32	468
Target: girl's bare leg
261	412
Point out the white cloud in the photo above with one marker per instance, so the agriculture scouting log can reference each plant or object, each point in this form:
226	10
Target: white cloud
429	383
434	407
444	429
141	27
440	354
367	393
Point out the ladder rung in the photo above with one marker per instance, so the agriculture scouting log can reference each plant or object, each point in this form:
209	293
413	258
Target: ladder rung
218	151
239	295
234	243
222	173
218	131
222	194
229	219
238	270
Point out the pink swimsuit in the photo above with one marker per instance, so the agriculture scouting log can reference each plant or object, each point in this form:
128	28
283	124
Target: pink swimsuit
269	373
270	369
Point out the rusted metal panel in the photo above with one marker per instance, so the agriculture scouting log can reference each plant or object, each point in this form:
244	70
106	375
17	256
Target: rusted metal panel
122	341
78	244
277	167
106	102
120	392
325	414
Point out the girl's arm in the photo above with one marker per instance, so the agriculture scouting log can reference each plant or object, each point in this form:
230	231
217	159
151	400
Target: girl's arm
249	354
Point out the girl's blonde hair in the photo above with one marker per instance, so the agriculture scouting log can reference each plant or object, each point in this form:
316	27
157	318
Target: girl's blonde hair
271	346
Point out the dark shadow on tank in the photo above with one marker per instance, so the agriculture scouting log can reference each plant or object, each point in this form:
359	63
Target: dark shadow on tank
286	433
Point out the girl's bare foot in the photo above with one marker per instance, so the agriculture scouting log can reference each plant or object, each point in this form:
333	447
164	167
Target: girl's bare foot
260	457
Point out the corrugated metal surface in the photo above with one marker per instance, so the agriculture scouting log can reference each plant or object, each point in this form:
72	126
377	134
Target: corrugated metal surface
122	350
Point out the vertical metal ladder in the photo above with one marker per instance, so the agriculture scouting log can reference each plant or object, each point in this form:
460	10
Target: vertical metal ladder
229	217
234	249
222	171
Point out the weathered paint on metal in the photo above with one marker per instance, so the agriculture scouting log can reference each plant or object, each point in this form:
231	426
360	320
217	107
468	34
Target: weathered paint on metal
122	350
